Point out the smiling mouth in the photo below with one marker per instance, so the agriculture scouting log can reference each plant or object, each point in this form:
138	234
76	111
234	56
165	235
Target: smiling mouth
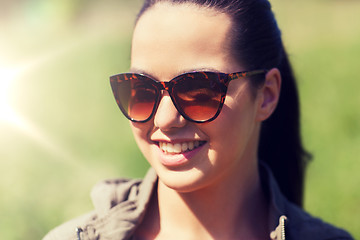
178	148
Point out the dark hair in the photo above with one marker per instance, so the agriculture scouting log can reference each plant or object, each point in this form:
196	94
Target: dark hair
257	44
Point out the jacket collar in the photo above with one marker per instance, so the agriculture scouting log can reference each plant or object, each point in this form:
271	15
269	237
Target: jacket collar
119	209
277	203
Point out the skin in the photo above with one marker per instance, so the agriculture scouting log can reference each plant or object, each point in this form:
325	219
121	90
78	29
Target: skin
217	193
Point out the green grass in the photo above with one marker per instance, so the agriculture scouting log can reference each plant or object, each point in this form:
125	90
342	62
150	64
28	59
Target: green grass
76	136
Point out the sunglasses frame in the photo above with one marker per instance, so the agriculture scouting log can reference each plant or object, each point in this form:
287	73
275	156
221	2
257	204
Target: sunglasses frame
223	79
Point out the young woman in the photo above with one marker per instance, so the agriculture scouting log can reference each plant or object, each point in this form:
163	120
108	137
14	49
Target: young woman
214	109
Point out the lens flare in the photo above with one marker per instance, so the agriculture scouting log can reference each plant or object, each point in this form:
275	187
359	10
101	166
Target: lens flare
7	78
9	75
9	116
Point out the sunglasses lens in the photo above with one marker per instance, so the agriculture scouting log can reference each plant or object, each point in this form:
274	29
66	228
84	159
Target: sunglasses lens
198	95
135	95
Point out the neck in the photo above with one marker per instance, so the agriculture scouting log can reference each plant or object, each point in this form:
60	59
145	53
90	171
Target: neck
207	214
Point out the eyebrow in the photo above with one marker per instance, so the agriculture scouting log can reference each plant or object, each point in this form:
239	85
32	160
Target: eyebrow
204	69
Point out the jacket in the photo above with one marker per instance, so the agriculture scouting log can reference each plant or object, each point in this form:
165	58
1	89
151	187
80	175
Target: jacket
120	205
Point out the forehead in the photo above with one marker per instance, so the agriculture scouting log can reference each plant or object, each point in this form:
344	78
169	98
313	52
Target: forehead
181	36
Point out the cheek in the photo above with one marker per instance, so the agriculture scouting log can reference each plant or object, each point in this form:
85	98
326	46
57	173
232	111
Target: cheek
234	127
140	132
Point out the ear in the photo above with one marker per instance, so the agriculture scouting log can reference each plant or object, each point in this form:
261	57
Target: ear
268	95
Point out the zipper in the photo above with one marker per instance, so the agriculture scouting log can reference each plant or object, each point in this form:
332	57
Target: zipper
279	232
78	232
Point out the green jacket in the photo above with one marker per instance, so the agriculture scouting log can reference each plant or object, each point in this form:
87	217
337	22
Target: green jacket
121	203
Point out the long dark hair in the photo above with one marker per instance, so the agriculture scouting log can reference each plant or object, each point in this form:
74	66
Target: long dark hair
257	44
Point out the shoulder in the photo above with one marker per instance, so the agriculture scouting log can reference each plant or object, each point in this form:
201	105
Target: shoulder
105	195
67	231
302	225
111	198
299	224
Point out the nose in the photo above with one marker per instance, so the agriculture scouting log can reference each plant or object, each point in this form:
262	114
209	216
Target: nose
167	117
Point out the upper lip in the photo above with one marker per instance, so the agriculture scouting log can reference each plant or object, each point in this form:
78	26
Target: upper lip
176	140
180	137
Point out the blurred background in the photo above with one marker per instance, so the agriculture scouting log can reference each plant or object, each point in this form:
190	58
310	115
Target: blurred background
61	131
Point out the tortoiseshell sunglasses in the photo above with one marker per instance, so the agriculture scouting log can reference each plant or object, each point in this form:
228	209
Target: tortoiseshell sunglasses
197	96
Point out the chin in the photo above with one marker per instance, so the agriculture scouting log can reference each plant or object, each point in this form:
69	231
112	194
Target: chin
183	181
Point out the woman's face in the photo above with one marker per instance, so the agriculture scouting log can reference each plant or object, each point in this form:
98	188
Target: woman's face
173	39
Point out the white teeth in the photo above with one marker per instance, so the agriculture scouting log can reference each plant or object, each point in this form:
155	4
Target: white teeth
191	145
178	147
184	147
162	145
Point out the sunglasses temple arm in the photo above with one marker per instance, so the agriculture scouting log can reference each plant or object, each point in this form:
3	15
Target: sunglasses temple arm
233	76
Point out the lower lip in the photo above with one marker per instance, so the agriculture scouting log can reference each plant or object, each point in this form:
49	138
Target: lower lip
176	160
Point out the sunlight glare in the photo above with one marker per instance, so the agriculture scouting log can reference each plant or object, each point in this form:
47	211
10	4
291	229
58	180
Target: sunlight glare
7	78
9	116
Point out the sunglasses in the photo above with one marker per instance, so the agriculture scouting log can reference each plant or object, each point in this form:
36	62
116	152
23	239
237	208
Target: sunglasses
197	96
